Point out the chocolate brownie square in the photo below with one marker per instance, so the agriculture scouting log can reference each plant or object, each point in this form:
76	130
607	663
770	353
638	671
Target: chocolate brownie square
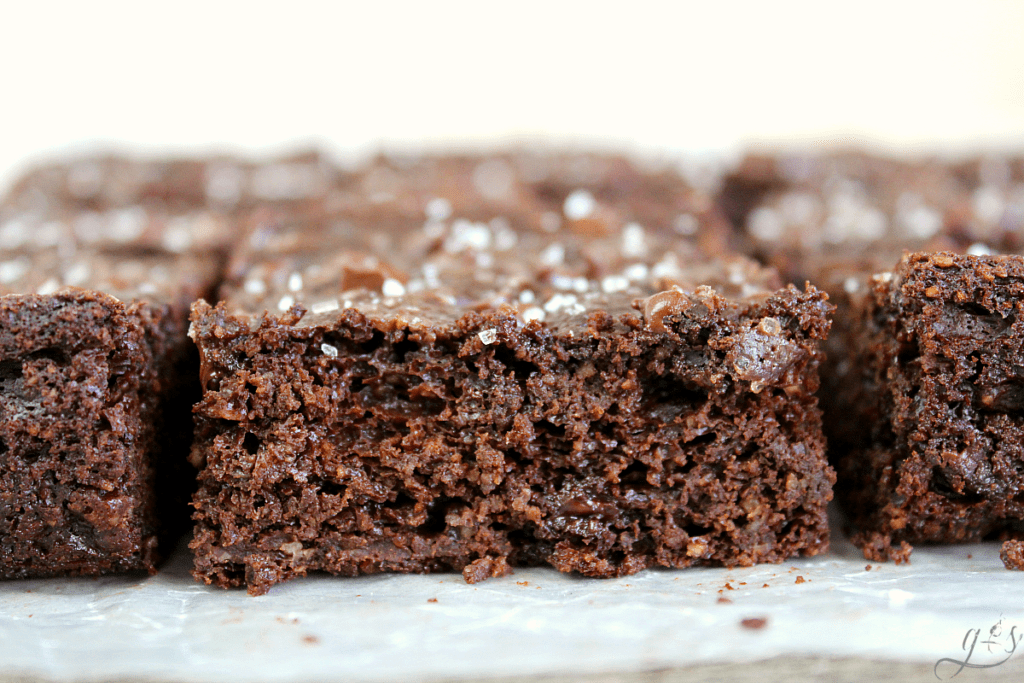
935	387
430	393
100	260
95	382
842	221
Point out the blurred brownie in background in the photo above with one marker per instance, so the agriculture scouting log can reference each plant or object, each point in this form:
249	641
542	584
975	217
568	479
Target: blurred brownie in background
174	205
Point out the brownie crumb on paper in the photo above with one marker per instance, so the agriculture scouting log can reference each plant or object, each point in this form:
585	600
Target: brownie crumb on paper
1012	554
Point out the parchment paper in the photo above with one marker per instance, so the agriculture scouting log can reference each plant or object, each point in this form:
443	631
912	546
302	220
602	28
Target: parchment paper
537	621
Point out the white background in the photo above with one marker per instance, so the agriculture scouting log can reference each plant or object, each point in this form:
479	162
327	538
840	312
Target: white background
650	76
708	77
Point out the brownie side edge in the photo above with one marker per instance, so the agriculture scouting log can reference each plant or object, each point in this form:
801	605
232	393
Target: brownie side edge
75	490
940	346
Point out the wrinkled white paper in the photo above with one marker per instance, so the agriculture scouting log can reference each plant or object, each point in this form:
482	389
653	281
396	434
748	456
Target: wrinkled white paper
537	621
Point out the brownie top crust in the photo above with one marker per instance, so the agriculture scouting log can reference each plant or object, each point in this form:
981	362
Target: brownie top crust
127	275
421	279
845	199
421	241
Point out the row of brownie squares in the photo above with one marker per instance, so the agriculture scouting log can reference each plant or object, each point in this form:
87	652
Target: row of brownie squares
462	363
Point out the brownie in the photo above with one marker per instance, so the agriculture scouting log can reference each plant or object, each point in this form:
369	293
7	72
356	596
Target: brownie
97	374
396	389
893	397
100	261
992	214
816	216
95	383
934	386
